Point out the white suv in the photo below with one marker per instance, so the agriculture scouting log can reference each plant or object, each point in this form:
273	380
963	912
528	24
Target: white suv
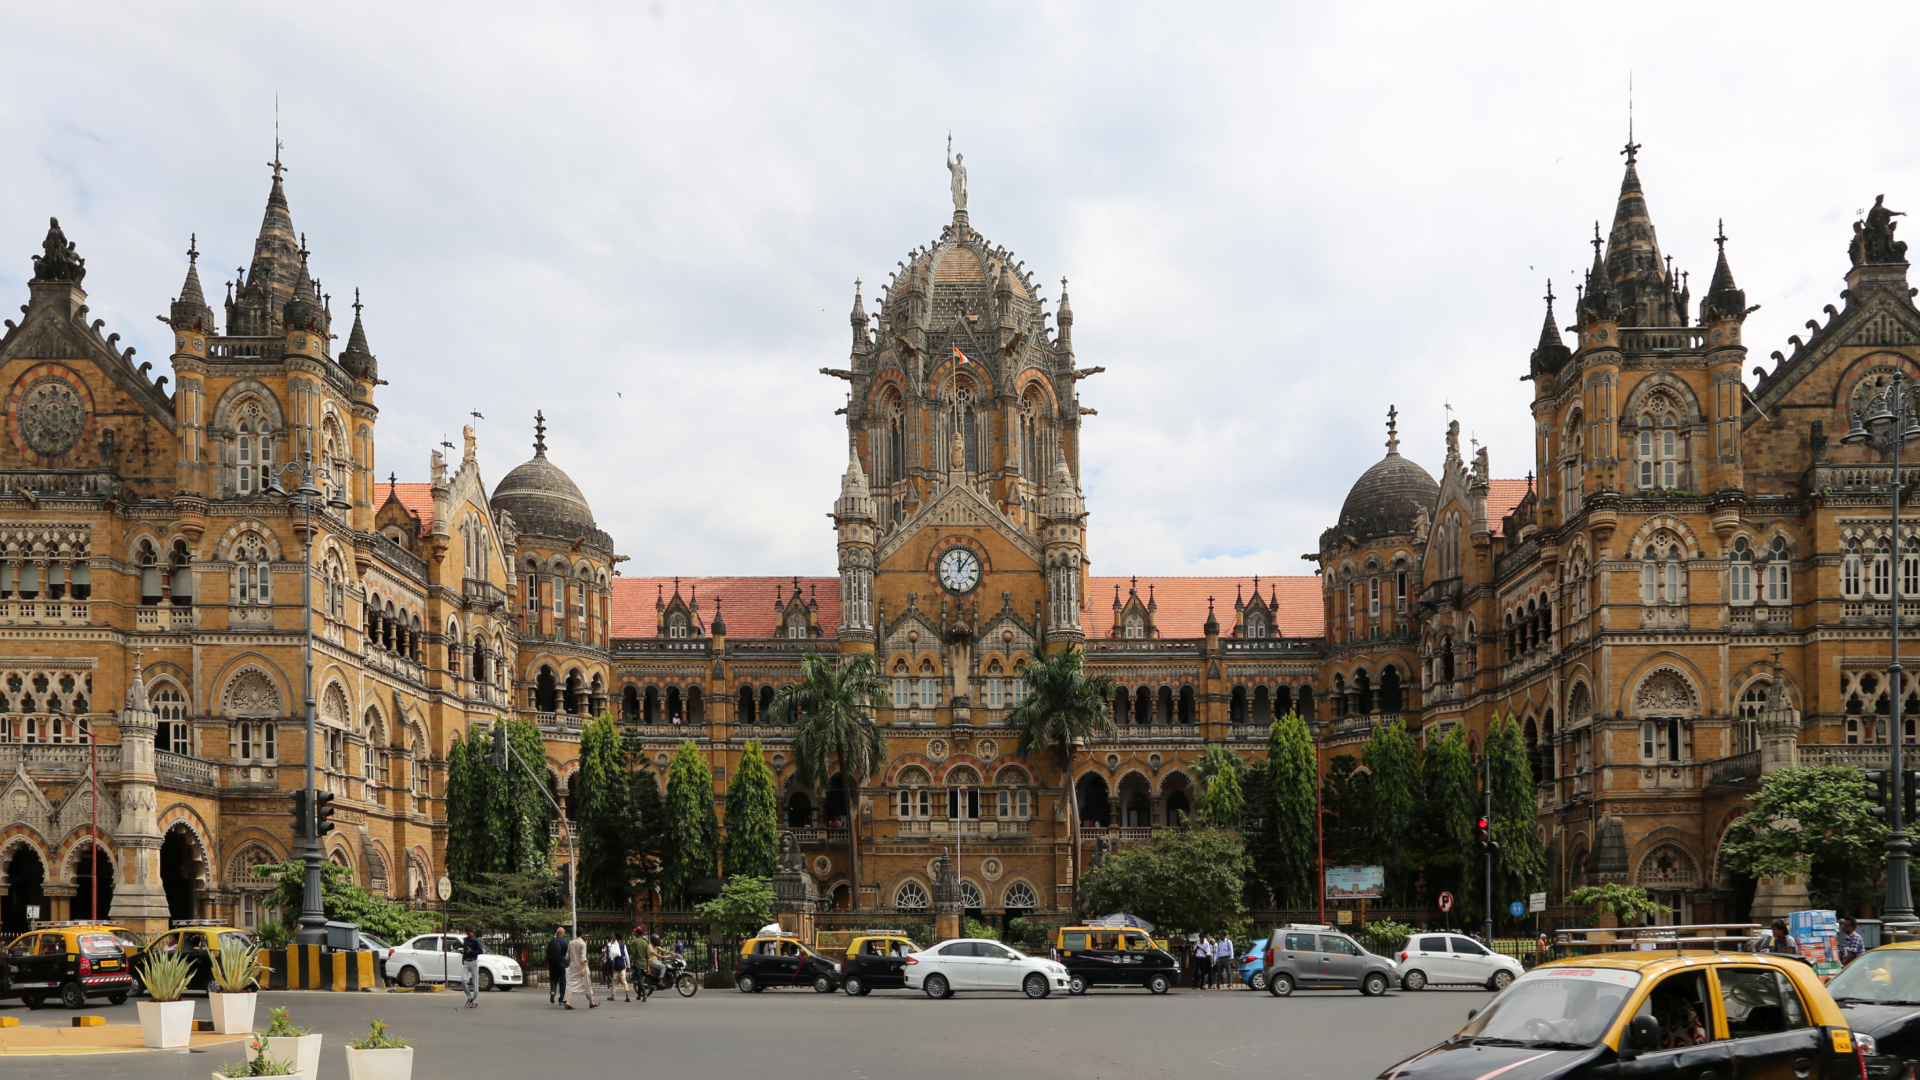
1442	959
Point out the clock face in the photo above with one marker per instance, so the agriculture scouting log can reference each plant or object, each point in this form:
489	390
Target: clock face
959	570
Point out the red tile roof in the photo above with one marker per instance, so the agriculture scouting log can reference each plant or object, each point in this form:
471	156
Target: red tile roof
747	603
416	498
1181	604
1502	497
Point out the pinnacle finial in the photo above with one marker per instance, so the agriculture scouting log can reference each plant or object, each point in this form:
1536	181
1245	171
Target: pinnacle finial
193	248
1549	292
1393	430
539	434
356	301
1720	236
1596	239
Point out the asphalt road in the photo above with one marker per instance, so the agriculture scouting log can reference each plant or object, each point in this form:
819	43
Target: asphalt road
789	1034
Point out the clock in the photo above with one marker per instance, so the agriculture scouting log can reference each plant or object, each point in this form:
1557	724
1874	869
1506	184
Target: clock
958	570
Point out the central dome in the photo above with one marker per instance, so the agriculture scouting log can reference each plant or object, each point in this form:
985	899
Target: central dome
1387	498
543	499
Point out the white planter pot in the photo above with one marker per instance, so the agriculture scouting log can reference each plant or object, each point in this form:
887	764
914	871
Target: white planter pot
232	1013
166	1025
380	1064
302	1052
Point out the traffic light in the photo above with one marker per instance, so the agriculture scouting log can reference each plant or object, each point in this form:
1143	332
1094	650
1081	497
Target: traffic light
299	812
498	755
323	812
1882	782
1483	836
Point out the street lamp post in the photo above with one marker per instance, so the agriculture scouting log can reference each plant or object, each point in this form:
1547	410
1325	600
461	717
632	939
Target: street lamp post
313	916
1887	424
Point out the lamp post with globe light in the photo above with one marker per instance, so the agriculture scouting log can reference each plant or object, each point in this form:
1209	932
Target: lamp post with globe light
313	916
1888	422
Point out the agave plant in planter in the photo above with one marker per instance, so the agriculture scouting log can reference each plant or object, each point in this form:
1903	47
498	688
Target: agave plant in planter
257	1065
166	1022
296	1046
379	1056
238	971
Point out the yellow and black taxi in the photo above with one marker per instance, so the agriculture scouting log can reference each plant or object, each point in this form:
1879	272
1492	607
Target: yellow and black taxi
198	940
1678	1010
782	960
71	962
876	960
1113	956
1880	994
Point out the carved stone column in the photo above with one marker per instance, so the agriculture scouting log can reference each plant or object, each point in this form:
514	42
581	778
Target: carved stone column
139	900
947	908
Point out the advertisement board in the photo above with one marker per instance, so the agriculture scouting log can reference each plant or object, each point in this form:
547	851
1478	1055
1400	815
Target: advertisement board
1356	882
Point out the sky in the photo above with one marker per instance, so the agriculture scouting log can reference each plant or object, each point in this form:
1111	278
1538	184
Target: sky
646	219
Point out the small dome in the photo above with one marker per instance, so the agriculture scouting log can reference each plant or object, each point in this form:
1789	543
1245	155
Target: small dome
544	500
1386	498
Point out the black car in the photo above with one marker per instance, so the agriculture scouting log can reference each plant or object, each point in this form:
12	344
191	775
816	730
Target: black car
72	964
876	961
1107	956
1879	993
198	941
781	960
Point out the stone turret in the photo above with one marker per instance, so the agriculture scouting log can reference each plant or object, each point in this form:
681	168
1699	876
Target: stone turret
139	899
853	519
1064	520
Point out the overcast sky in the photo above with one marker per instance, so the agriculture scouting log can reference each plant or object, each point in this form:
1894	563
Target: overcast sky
646	219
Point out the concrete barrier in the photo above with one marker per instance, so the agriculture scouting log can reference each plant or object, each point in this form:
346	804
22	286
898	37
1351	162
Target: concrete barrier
310	967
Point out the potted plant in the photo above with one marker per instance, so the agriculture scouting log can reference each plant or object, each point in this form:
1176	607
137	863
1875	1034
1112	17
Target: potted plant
166	1022
258	1065
379	1056
238	971
296	1046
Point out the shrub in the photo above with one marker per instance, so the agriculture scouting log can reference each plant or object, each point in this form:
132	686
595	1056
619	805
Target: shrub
237	967
282	1026
259	1065
166	975
378	1039
977	929
1384	935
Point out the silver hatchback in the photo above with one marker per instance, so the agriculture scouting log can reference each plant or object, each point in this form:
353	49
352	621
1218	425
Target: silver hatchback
1308	957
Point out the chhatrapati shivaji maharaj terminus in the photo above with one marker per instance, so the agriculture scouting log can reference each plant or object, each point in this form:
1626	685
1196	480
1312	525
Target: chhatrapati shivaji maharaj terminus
1686	529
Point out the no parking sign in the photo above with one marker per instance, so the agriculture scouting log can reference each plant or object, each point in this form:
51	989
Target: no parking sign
1446	901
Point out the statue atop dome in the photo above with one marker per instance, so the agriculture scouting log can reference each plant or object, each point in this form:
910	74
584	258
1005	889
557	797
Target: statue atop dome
957	165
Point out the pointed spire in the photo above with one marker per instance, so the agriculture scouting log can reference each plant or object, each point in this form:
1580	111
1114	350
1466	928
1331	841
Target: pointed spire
1213	625
1064	317
858	318
1551	353
58	260
357	358
718	627
1724	298
190	310
540	451
269	281
302	310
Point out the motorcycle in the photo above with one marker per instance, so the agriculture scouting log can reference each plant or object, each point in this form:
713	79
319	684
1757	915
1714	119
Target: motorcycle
673	973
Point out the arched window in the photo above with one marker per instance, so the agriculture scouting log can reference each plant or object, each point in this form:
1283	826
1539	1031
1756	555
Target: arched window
929	686
677	625
911	896
143	553
1650	578
1186	705
1746	730
797	625
1669	453
996	686
743	711
914	798
902	686
1237	705
1882	569
1740	576
170	706
253	574
1256	624
1780	578
1019	895
1645	455
1675	583
1850	570
1136	626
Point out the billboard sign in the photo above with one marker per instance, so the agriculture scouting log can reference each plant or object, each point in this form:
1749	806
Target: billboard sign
1356	882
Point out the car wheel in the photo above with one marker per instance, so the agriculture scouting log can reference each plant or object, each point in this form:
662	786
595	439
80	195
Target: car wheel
1157	984
1414	980
854	986
747	984
1500	980
1374	984
32	1001
687	984
1077	985
937	988
73	996
1259	981
1280	985
822	984
409	978
486	980
1036	986
118	997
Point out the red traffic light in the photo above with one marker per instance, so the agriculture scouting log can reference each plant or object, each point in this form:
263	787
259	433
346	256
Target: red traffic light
1482	823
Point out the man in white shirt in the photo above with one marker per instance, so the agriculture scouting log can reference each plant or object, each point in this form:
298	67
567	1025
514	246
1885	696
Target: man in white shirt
1223	965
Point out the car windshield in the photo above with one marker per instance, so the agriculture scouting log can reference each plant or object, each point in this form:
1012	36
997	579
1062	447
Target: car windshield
100	945
1557	1006
1881	975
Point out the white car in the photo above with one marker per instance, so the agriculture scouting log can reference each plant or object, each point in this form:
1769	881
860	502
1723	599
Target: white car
982	964
436	958
1453	959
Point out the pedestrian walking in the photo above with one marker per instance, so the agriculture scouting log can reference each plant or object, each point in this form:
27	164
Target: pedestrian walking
579	981
645	954
470	950
557	966
1223	962
1202	961
618	963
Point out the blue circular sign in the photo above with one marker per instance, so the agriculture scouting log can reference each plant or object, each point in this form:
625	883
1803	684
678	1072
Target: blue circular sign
1517	908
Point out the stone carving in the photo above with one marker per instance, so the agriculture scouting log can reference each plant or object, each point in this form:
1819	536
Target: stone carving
1873	240
1579	704
1668	867
957	165
937	749
60	261
437	464
252	694
1663	692
51	416
790	860
1421	523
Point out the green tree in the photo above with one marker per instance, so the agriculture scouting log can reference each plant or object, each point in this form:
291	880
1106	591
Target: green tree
1292	768
692	839
498	821
649	817
1814	820
1393	800
1522	865
605	817
1343	799
1261	833
343	900
1065	707
1628	903
1214	759
1184	880
1221	804
518	905
837	737
753	817
1449	801
745	904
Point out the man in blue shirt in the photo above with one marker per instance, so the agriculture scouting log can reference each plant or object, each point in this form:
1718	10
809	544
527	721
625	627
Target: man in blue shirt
1851	943
470	950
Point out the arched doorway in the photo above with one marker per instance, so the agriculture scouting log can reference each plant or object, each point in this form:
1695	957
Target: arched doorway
1095	805
1179	803
833	811
1136	803
26	874
84	877
546	696
177	874
799	810
843	897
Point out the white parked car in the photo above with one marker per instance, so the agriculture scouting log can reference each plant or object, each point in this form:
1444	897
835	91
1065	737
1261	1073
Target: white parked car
980	964
429	958
1452	959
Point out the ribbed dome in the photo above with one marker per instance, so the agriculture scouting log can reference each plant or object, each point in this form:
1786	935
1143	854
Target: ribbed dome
543	500
1386	498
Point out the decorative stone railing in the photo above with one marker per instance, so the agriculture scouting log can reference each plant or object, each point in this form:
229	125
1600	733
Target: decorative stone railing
180	770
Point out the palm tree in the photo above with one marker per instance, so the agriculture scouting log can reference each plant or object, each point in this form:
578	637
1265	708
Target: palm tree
1065	707
837	732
